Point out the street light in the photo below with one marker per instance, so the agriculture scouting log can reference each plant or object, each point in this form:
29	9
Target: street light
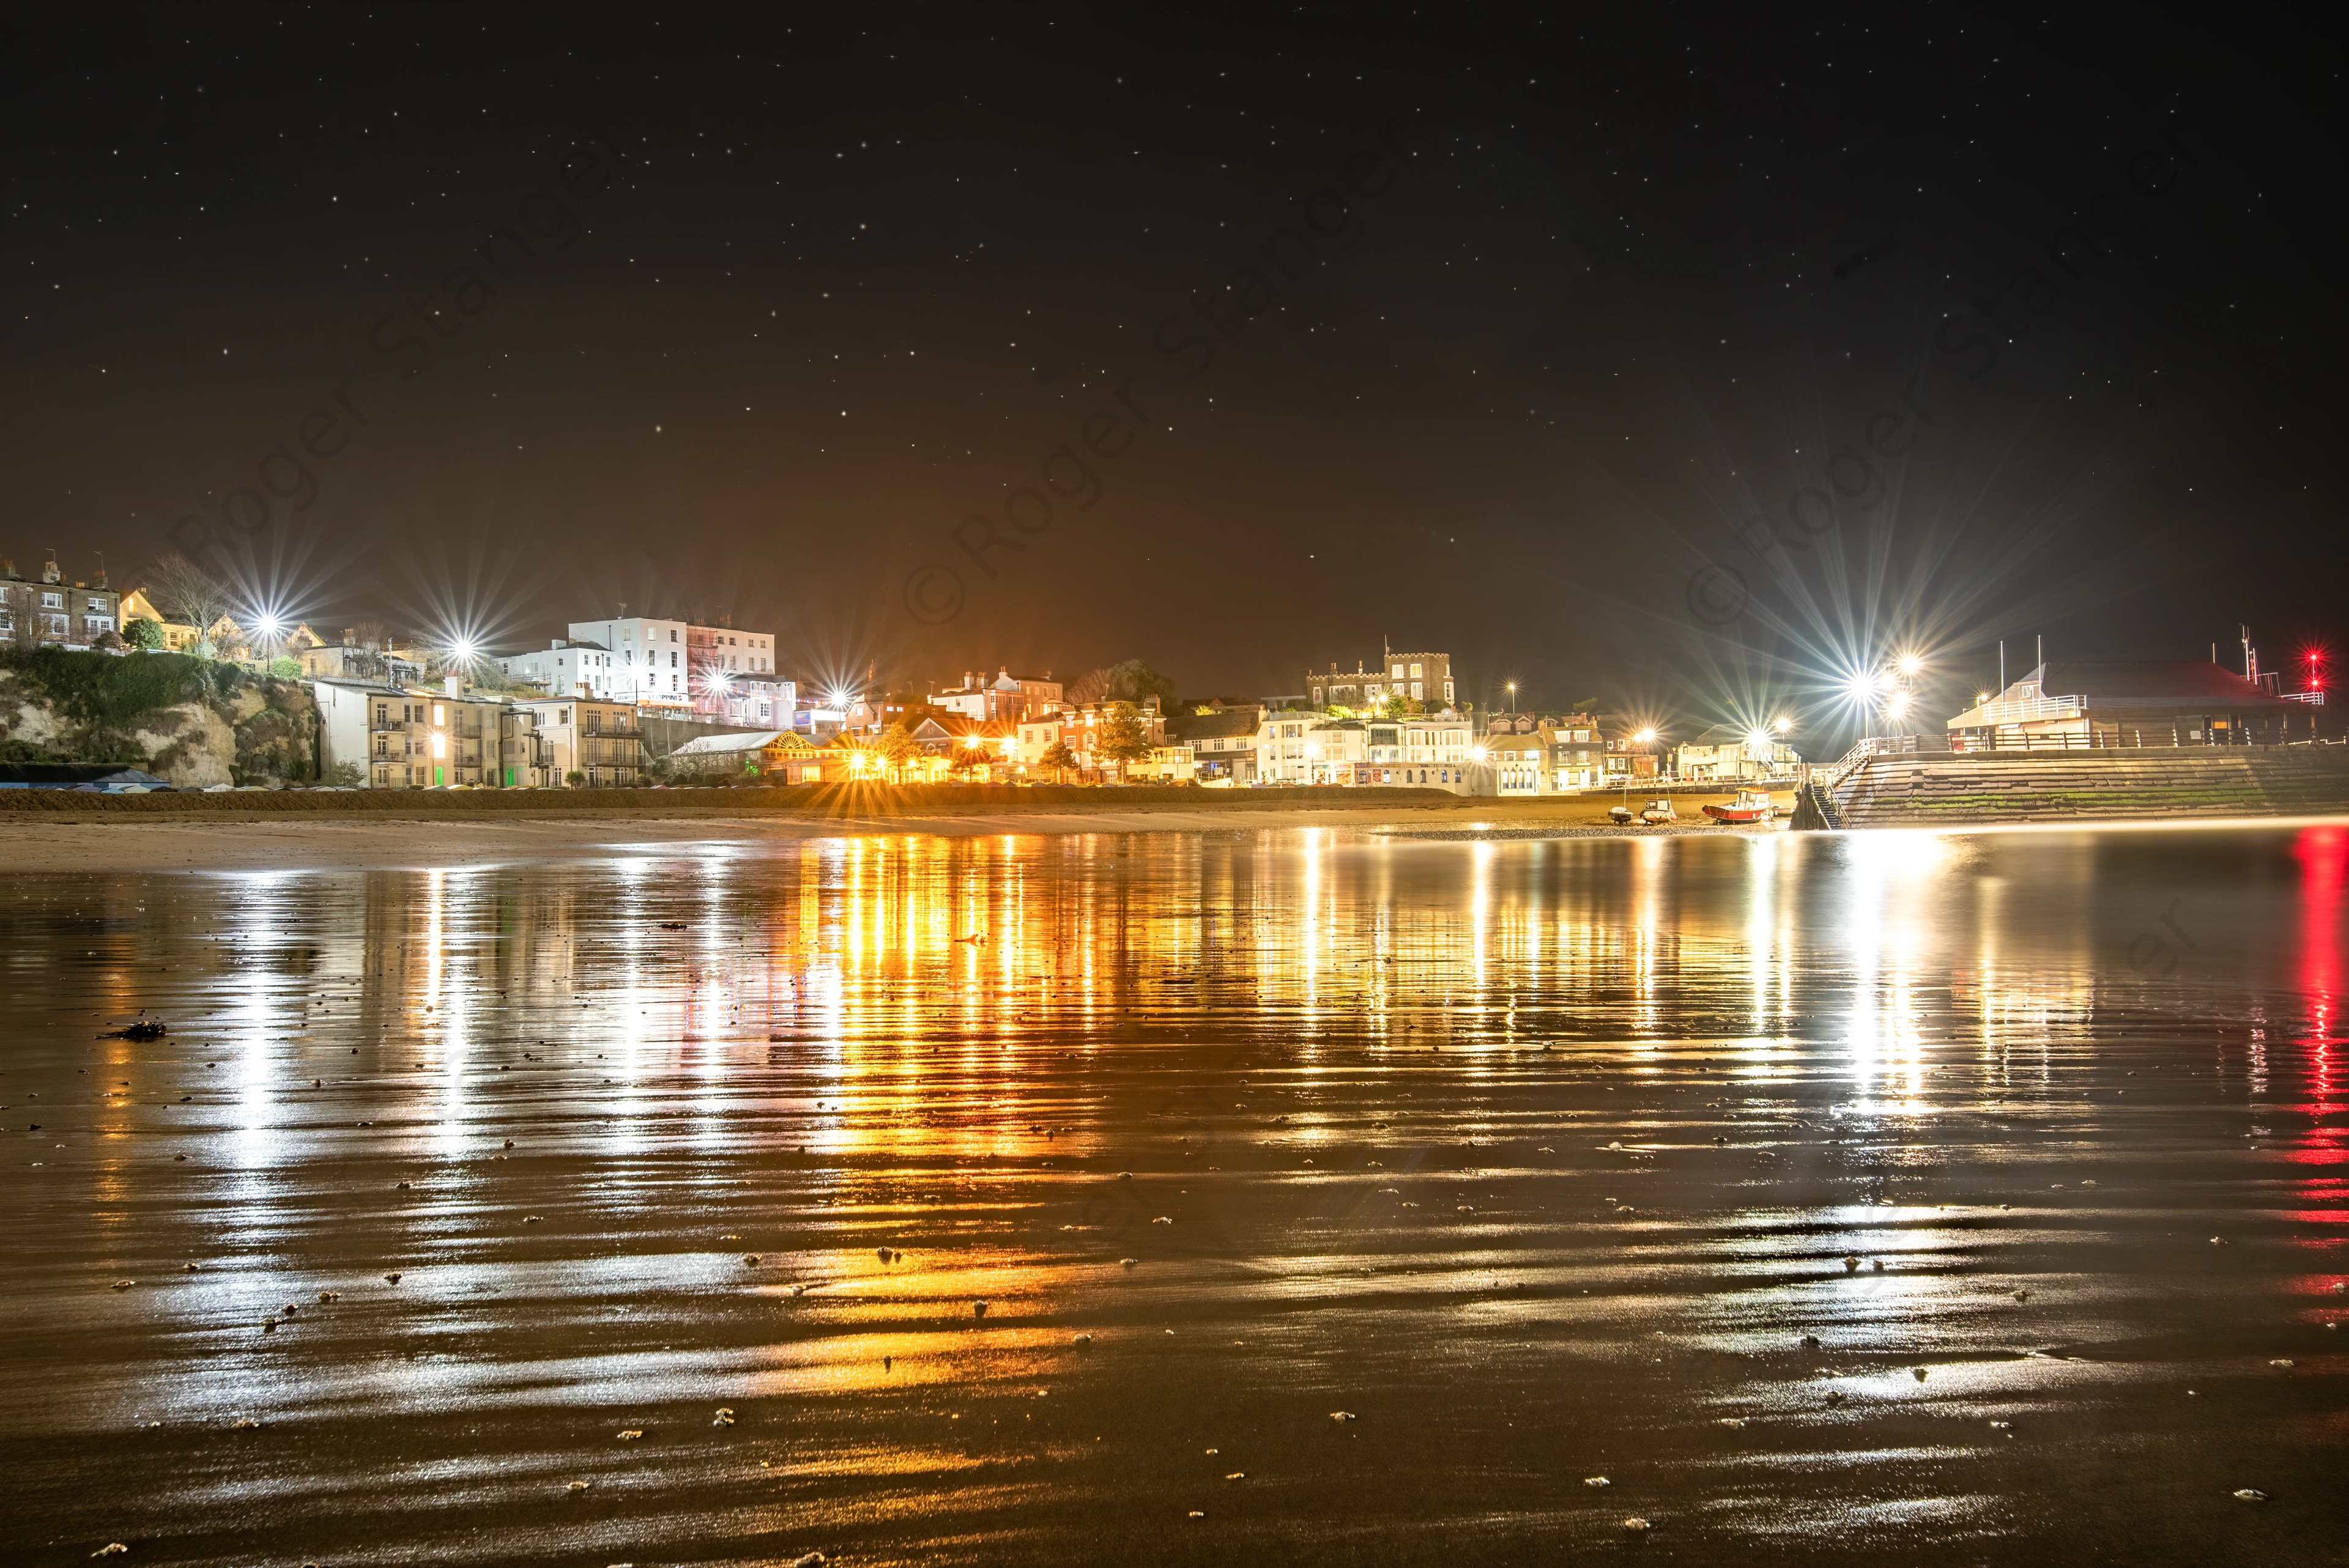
1513	696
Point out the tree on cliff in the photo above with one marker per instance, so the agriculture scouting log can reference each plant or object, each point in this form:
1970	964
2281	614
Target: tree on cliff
191	596
1129	682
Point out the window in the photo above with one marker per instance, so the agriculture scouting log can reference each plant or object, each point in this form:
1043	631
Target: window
53	600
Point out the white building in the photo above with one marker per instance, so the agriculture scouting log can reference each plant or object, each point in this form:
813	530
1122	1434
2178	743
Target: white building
1006	698
632	661
1306	748
1726	752
648	661
410	737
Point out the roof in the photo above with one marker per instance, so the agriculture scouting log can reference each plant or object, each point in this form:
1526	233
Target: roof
1720	735
731	745
1230	724
2063	688
2149	683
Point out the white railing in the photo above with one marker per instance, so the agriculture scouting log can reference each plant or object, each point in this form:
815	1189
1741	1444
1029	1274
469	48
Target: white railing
1834	774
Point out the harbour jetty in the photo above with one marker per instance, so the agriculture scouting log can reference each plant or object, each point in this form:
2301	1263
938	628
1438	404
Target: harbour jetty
1943	788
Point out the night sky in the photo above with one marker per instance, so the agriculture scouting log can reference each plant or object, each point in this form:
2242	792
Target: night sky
1676	358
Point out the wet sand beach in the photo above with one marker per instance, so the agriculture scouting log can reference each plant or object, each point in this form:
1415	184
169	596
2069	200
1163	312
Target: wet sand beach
221	839
1334	1197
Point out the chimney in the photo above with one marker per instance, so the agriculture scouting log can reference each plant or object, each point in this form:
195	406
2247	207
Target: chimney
454	685
49	573
350	636
101	571
8	570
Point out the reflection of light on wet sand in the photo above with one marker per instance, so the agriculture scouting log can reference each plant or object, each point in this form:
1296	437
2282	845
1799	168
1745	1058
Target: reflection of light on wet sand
1779	1034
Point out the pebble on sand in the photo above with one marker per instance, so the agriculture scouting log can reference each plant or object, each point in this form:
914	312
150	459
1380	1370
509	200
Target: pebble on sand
122	1284
323	1296
579	1486
1635	1524
2249	1494
1731	1421
392	1278
631	1434
1343	1416
1851	1265
2282	1361
978	1309
725	1417
1596	1480
1810	1342
1128	1262
1920	1373
810	1560
887	1256
750	1260
1082	1339
1237	1475
115	1548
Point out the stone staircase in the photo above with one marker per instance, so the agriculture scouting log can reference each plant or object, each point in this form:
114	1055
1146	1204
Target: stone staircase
1959	789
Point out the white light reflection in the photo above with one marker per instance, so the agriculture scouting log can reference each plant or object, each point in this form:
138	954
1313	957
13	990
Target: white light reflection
1886	931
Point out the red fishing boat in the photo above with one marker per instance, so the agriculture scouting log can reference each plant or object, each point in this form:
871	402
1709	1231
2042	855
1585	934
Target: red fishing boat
1751	806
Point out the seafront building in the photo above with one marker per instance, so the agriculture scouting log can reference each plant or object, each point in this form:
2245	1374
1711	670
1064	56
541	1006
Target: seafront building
54	613
2080	704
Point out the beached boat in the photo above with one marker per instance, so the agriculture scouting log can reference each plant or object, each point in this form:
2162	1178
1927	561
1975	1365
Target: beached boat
1751	806
1659	811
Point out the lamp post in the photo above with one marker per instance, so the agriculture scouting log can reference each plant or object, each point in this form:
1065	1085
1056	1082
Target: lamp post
1513	696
